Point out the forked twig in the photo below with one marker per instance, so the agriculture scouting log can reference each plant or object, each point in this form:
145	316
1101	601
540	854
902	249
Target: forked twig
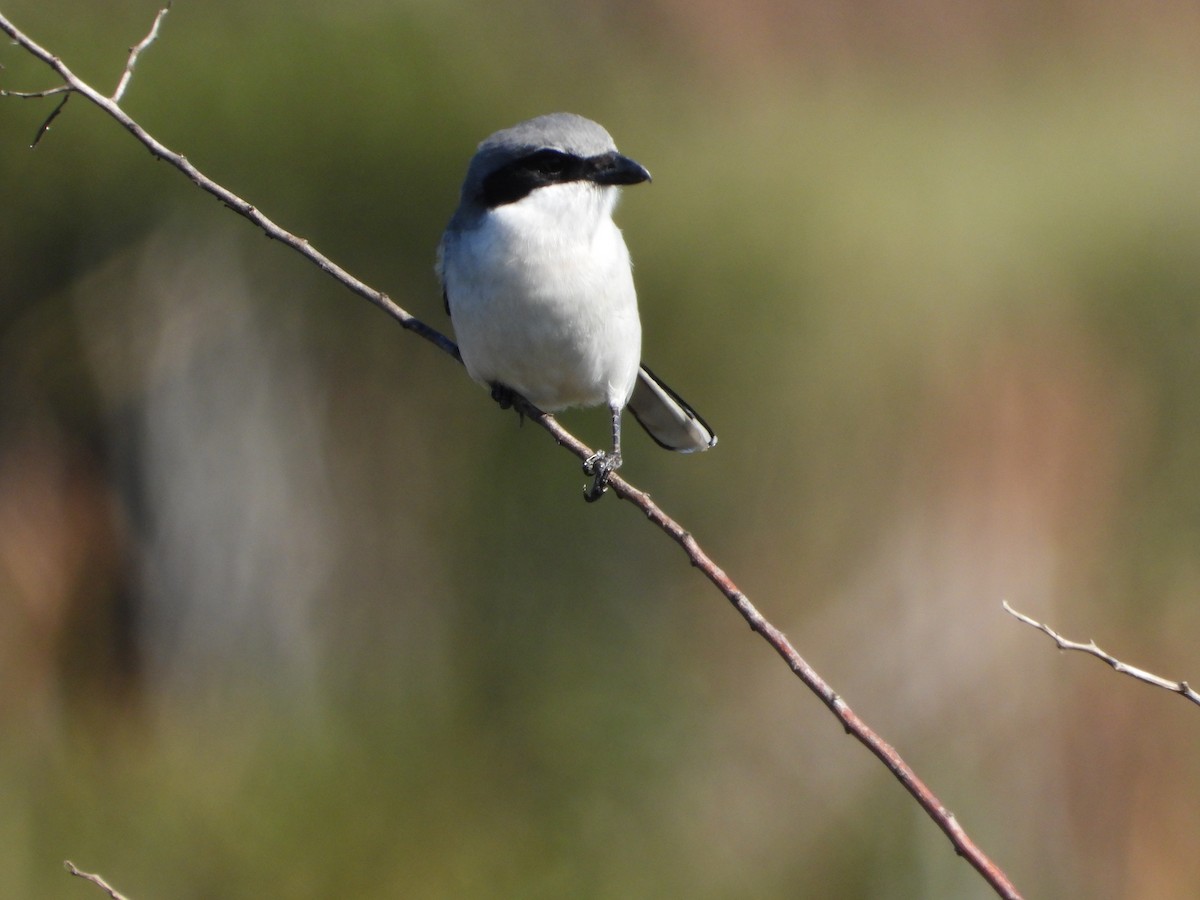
1177	687
70	87
855	726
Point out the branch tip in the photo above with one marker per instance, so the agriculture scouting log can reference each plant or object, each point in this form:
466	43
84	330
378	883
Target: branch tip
113	893
135	51
1091	648
45	126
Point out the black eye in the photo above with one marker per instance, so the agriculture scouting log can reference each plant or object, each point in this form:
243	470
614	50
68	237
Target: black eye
524	175
551	164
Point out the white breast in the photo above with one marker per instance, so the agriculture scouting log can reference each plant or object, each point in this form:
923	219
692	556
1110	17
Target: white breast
542	298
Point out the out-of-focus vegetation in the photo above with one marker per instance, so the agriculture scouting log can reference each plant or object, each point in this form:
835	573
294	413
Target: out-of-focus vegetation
288	609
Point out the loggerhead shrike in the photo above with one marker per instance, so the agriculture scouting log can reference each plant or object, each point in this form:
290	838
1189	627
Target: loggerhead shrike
537	281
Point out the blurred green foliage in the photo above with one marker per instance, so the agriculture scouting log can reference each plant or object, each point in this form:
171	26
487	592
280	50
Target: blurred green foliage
287	609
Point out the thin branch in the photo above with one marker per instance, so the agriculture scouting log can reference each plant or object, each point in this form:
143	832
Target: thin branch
45	126
1090	648
37	95
135	51
70	87
226	196
94	879
855	726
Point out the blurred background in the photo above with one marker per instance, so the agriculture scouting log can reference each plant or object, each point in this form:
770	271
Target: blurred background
288	608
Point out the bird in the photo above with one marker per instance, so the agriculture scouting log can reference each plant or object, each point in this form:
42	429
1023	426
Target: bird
538	283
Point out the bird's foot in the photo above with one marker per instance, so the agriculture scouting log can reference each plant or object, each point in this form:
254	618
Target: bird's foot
505	396
600	466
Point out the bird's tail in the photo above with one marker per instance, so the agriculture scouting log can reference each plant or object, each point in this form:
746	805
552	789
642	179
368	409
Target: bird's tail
667	417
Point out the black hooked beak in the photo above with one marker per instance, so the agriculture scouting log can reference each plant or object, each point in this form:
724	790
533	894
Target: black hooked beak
615	169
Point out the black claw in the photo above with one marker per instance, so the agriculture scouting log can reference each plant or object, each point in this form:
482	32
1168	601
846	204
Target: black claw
600	465
502	395
505	396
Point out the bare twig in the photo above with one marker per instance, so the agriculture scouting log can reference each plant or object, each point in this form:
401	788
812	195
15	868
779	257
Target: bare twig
227	197
135	51
44	128
65	89
855	726
71	87
1090	648
94	879
36	95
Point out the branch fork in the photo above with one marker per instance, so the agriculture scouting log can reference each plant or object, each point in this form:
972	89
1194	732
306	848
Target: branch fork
71	87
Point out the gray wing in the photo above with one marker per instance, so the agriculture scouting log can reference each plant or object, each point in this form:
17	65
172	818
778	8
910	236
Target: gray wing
667	417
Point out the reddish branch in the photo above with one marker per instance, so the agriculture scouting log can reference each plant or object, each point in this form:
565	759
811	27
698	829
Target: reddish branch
855	726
